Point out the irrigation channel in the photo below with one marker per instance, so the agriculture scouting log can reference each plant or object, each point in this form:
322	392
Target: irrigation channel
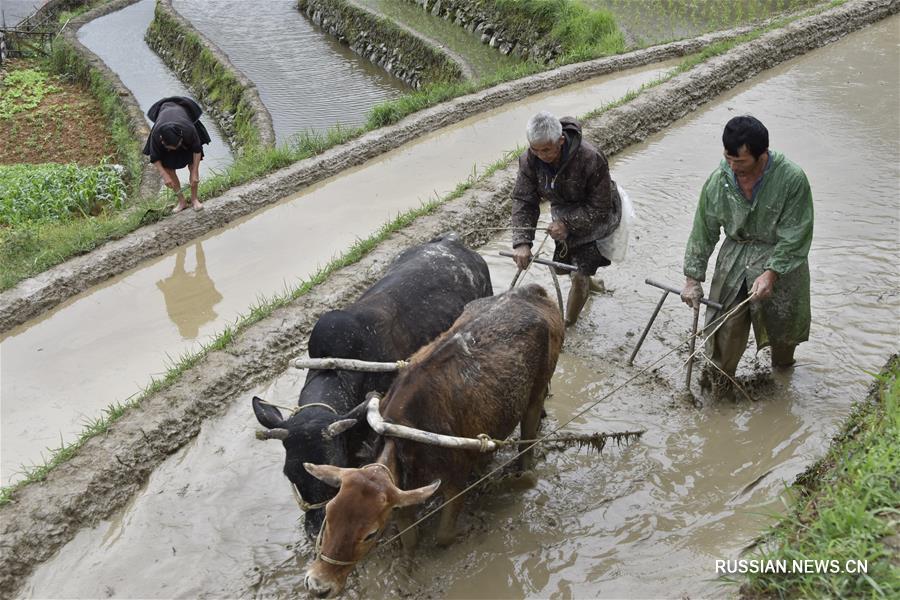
306	78
118	39
172	304
217	518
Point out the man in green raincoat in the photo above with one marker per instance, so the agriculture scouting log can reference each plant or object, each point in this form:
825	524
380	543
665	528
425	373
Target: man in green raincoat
764	204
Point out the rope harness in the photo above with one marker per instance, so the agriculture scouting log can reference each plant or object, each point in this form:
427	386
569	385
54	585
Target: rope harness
295	491
531	444
303	504
485	439
293	410
333	561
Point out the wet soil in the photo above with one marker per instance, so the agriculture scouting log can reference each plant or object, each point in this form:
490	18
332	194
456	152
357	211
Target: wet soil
66	127
644	520
665	507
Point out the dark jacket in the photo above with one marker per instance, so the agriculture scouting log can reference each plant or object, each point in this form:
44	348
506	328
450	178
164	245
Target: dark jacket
580	192
183	113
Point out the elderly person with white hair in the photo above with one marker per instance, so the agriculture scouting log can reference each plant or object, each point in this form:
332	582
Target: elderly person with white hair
573	175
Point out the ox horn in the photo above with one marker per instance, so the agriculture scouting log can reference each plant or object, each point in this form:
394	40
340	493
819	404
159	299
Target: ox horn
278	433
380	426
349	364
338	427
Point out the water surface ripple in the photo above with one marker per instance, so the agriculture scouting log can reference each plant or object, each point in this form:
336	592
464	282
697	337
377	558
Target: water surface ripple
305	78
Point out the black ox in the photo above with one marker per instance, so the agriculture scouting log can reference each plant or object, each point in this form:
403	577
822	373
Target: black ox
420	296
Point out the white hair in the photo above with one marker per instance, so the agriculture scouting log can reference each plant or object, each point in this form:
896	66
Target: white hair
542	128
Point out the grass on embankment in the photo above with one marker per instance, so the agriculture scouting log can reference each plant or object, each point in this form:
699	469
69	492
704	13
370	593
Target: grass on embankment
847	509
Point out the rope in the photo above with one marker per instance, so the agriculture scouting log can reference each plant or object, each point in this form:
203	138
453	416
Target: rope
303	504
704	340
521	273
295	409
577	415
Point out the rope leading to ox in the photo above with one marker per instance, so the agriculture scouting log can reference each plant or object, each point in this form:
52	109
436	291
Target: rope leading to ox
293	410
719	321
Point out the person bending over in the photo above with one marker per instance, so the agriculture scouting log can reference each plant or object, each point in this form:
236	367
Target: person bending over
176	141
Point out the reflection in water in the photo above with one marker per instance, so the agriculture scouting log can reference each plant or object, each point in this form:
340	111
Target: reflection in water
190	297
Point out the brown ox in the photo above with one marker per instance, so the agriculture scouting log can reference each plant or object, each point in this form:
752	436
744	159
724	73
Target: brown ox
487	374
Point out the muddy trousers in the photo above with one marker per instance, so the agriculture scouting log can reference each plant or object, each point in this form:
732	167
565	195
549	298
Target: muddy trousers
727	346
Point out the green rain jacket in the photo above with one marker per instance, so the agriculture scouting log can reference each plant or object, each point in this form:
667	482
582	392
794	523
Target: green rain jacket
773	232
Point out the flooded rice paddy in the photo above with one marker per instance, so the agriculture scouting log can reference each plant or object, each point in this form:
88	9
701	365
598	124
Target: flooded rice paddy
482	60
118	39
171	305
306	78
647	22
217	519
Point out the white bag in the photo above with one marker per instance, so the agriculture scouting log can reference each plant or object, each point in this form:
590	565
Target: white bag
615	245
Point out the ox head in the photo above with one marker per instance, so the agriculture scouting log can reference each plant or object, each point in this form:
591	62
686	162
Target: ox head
312	435
355	518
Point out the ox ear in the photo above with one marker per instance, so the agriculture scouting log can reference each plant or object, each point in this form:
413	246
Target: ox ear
418	495
326	473
267	415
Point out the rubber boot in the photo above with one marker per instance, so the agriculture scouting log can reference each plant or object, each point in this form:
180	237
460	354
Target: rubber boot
578	295
783	357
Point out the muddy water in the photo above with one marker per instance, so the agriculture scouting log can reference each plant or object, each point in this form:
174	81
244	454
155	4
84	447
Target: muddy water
647	520
118	39
305	78
163	309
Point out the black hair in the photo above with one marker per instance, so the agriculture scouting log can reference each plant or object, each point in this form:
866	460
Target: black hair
170	134
745	130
